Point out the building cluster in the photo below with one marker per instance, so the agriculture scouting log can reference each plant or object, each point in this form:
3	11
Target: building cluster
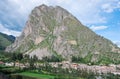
94	68
115	69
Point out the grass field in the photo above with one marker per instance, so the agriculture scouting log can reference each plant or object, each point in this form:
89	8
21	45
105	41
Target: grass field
36	75
8	70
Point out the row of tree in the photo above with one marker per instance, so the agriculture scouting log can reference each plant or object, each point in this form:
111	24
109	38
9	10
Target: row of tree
52	58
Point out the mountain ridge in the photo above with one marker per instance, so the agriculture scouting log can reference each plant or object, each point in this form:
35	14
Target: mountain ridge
5	40
54	31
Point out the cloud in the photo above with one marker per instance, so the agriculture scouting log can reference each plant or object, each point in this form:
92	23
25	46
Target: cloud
16	13
110	7
117	43
107	8
96	28
9	32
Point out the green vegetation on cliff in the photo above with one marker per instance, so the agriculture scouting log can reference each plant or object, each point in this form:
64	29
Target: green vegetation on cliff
5	40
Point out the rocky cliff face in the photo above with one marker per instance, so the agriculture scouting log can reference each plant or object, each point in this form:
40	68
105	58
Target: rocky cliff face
54	31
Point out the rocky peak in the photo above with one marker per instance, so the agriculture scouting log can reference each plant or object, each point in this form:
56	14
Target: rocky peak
54	31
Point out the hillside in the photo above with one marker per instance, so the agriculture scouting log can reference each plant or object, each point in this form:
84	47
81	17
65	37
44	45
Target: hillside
5	40
54	31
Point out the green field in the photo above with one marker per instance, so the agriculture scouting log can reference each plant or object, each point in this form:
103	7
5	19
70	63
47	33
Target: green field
36	75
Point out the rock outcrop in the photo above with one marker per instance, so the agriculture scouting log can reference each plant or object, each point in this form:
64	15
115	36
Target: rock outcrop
54	31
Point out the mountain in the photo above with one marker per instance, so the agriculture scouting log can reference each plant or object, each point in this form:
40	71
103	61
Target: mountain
5	40
54	31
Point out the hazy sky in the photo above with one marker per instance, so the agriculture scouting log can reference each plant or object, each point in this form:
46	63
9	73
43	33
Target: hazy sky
102	16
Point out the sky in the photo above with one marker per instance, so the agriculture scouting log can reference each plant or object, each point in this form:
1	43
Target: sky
101	16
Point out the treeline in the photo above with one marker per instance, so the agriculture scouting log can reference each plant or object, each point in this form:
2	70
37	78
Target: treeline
25	58
78	59
103	60
52	58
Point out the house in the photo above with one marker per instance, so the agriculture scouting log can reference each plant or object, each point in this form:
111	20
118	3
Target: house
9	64
65	62
112	65
74	66
1	63
17	64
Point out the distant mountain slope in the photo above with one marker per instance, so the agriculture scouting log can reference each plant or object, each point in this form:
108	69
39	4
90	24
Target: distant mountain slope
54	31
5	40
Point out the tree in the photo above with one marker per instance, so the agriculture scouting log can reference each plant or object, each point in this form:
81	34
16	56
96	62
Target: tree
78	59
52	58
31	62
26	58
35	58
19	56
14	57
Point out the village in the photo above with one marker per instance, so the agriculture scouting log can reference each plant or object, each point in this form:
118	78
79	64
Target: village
115	69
